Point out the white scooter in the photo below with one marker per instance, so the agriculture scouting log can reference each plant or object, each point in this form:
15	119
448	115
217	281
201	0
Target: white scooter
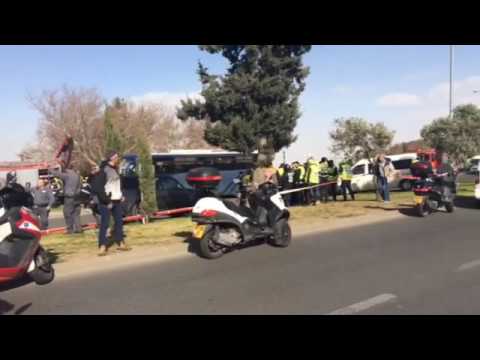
223	226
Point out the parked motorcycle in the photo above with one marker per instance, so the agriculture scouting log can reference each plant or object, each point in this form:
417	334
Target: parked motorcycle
431	193
20	235
223	225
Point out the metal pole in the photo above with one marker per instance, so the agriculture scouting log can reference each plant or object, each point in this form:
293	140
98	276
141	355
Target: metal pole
451	80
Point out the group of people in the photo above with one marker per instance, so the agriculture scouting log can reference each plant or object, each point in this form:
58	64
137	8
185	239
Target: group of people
318	179
105	198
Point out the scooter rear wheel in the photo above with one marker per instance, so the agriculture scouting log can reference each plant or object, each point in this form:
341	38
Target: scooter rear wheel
208	249
44	273
422	210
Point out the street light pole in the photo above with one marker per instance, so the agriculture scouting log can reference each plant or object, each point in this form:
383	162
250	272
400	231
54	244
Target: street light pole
451	79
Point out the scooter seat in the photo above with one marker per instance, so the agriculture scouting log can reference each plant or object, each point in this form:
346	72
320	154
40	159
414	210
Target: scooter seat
241	210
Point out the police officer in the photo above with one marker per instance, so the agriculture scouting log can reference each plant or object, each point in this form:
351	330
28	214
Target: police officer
346	175
286	182
312	179
298	183
332	179
324	175
43	200
71	204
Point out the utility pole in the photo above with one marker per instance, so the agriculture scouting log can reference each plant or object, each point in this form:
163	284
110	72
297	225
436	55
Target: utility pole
452	49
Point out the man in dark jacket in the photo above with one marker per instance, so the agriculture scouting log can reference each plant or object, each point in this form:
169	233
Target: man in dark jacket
445	175
286	182
72	186
107	187
93	205
43	200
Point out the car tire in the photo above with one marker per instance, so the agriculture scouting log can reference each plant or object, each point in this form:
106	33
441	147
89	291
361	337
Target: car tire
405	185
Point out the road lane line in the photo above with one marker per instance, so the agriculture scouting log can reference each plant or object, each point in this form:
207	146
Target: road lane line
365	305
469	266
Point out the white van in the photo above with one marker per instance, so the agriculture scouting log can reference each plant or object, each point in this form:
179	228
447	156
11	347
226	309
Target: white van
477	186
363	179
473	164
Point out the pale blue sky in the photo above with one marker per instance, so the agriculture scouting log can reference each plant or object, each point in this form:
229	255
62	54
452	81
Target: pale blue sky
404	86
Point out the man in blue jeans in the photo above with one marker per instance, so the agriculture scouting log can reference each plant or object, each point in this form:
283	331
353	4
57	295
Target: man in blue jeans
383	170
107	187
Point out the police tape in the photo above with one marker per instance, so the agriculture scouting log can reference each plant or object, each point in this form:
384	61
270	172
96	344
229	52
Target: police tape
286	192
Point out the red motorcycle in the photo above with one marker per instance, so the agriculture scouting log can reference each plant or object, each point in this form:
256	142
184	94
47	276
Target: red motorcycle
20	234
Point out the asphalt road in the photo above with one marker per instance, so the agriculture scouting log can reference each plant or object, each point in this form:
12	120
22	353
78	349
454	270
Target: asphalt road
405	266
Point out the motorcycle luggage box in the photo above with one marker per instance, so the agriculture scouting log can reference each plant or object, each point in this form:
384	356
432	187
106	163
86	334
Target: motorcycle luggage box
422	169
204	178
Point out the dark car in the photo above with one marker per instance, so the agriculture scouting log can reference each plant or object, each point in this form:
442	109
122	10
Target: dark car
171	194
174	193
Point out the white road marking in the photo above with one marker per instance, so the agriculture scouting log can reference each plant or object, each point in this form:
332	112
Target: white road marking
365	305
468	266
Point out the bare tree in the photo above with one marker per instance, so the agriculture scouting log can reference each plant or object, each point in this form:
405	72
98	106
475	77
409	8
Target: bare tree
75	112
82	113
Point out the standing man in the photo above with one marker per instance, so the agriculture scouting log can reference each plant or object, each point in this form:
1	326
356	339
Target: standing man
286	182
11	178
324	176
94	203
72	186
298	183
383	171
345	170
107	186
332	178
43	200
312	179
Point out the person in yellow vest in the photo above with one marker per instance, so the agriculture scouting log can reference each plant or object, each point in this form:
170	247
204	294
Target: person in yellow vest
346	175
312	179
323	175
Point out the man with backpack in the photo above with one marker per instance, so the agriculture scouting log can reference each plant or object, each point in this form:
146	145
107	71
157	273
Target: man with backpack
107	187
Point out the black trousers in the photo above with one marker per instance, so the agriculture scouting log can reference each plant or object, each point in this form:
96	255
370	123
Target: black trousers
288	197
312	194
298	198
324	190
333	191
42	213
347	185
71	213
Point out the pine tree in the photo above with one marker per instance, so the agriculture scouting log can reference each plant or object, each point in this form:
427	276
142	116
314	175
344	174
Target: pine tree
256	98
146	175
113	139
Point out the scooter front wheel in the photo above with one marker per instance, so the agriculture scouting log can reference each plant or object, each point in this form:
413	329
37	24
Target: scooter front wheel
44	273
208	249
450	207
282	234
